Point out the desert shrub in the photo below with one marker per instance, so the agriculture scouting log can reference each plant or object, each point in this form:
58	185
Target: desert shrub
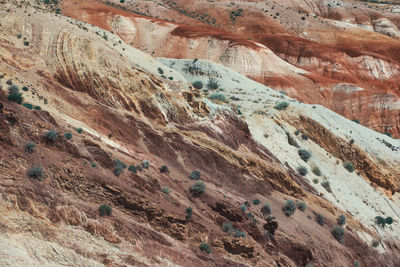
281	105
160	70
51	135
189	213
27	105
19	35
297	132
375	243
356	263
198	188
166	190
302	206
243	208
68	136
93	164
79	130
36	172
389	220
289	208
320	219
132	168
198	85
304	136
26	43
338	233
105	209
270	218
139	168
302	170
24	88
304	154
266	209
213	84
37	108
228	227
30	147
315	181
316	171
171	78
380	221
164	169
9	82
327	186
195	175
256	201
119	167
205	247
356	121
388	134
341	220
146	164
351	141
348	166
238	233
14	95
218	96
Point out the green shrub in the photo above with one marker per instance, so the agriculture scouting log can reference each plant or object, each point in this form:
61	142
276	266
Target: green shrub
166	190
375	243
256	201
164	169
297	132
351	141
205	247
341	220
27	105
316	171
68	136
218	96
266	209
93	165
160	70
146	164
389	220
105	209
228	227
195	175
338	233
198	85
320	219
36	172
198	188
51	135
281	105
289	208
356	263
302	170
243	208
30	147
24	88
19	35
304	154
79	130
327	186
348	166
189	213
119	167
14	95
26	43
213	84
132	168
380	221
302	206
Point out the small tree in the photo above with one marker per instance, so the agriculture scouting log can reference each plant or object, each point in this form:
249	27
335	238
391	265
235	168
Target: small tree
380	221
195	175
105	210
266	209
30	147
51	136
389	220
338	233
198	188
132	168
68	136
119	167
289	208
36	172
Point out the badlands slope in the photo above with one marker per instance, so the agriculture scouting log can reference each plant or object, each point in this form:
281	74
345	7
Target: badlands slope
121	103
343	55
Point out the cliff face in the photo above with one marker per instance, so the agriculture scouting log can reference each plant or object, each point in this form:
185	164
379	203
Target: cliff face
308	49
103	123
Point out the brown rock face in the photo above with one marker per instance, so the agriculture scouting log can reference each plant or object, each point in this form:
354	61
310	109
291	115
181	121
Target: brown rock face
307	50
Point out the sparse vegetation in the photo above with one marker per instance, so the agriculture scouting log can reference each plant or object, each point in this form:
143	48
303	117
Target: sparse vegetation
198	85
320	219
338	233
205	247
289	208
302	170
213	84
302	206
36	172
119	167
30	147
304	154
51	136
198	188
164	169
266	209
341	220
105	210
132	168
195	175
349	166
281	105
316	171
68	136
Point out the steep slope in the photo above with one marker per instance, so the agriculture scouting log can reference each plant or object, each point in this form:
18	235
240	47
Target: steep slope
107	100
343	55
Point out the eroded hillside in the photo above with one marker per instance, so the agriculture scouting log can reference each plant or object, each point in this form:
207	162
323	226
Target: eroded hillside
110	157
